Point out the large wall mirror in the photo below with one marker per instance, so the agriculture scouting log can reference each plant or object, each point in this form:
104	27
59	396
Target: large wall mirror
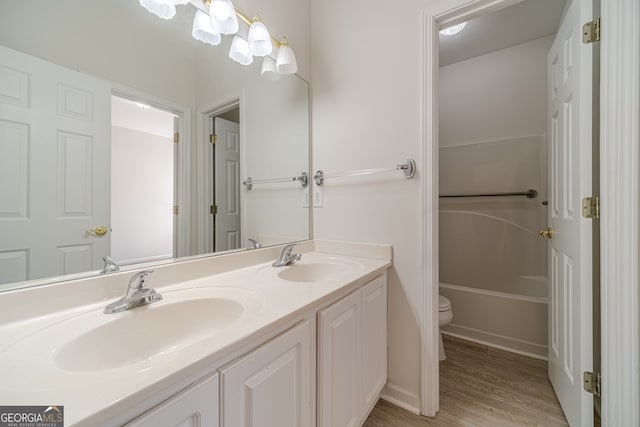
121	135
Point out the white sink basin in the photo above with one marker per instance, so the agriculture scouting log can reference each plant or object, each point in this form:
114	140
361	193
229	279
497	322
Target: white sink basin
146	332
137	339
317	271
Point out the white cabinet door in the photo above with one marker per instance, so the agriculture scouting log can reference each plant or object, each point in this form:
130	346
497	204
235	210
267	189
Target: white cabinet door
374	340
339	363
196	406
271	386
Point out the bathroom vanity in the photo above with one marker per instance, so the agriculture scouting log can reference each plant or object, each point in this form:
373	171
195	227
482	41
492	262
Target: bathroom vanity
233	342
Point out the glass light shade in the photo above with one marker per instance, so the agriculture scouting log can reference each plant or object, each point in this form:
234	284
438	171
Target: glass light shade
286	62
221	9
226	26
268	70
259	39
203	31
450	31
161	8
179	2
239	51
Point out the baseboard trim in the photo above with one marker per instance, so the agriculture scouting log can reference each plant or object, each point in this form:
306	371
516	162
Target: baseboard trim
497	341
401	398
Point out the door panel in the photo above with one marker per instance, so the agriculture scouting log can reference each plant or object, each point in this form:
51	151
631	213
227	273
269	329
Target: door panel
570	261
227	185
54	168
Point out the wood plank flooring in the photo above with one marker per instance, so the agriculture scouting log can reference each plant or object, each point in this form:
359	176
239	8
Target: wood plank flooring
483	386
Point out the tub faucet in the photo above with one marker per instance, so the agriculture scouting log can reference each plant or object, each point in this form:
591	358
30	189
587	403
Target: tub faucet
137	294
286	257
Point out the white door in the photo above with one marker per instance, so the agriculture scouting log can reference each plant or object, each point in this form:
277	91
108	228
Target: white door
570	247
54	169
227	185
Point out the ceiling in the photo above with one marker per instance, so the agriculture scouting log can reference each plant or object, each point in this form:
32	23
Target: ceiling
127	114
513	25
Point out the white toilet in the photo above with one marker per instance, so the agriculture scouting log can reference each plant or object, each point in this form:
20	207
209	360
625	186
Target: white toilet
445	316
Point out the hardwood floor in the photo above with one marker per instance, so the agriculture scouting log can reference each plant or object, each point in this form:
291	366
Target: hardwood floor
483	386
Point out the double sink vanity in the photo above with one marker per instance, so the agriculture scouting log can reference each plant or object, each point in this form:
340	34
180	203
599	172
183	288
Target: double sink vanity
233	341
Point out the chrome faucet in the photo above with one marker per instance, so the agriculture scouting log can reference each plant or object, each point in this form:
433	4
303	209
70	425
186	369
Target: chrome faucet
110	265
286	257
137	294
255	244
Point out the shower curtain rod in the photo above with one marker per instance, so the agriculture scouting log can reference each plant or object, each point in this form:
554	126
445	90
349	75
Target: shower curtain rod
531	194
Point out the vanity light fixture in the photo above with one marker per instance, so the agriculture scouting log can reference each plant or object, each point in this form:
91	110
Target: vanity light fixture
454	29
259	38
268	70
203	31
165	9
286	60
223	19
221	9
228	25
239	51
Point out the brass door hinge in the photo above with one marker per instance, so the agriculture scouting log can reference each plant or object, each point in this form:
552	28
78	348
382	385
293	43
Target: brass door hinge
591	31
591	207
176	209
176	137
213	209
591	382
213	138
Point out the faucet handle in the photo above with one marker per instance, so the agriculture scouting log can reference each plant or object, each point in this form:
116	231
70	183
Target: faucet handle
141	278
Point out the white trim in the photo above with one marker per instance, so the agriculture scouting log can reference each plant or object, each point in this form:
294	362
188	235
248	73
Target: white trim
619	224
500	342
204	165
401	398
183	162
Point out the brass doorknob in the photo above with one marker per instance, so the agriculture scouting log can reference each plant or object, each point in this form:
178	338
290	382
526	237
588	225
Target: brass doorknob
98	231
546	233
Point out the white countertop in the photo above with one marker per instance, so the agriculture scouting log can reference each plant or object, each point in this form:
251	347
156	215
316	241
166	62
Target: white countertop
30	348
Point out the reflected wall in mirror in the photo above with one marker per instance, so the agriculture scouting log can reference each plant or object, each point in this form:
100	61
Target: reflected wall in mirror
86	172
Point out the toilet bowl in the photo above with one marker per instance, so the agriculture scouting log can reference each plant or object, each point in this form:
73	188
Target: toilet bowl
445	316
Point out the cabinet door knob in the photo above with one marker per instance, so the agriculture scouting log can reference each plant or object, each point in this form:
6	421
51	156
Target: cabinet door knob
546	233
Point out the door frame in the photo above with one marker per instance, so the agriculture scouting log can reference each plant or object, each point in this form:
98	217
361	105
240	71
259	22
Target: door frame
204	165
182	176
619	182
620	211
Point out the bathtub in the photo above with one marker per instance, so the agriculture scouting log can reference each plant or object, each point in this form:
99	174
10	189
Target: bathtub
515	322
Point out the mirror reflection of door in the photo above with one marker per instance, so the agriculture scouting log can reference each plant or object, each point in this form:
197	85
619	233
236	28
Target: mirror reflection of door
142	182
54	182
226	185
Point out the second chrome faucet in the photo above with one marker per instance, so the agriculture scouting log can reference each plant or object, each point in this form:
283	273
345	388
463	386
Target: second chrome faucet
286	257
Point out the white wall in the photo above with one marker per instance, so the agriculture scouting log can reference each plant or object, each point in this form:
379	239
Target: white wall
275	142
141	196
495	96
366	92
492	126
114	33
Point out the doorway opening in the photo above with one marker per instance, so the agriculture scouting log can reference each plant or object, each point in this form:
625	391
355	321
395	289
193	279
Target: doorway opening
224	228
143	182
496	118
